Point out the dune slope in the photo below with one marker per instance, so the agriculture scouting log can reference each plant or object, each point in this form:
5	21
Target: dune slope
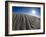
25	22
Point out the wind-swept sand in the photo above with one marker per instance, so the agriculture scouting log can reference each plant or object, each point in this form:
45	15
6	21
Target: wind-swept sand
25	22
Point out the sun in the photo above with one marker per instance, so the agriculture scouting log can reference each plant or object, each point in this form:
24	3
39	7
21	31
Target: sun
33	12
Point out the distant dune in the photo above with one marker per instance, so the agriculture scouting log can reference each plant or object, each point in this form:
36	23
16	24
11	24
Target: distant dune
25	22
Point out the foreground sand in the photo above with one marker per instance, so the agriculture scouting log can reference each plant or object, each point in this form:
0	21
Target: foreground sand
25	22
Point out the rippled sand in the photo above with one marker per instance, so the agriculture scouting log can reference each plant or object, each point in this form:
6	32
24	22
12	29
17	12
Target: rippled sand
25	22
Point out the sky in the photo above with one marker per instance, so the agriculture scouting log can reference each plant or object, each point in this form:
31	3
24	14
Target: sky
26	10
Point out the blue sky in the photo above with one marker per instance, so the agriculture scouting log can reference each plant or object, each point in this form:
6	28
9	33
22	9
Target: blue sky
26	10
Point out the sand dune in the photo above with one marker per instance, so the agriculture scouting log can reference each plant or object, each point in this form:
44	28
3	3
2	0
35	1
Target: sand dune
25	22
